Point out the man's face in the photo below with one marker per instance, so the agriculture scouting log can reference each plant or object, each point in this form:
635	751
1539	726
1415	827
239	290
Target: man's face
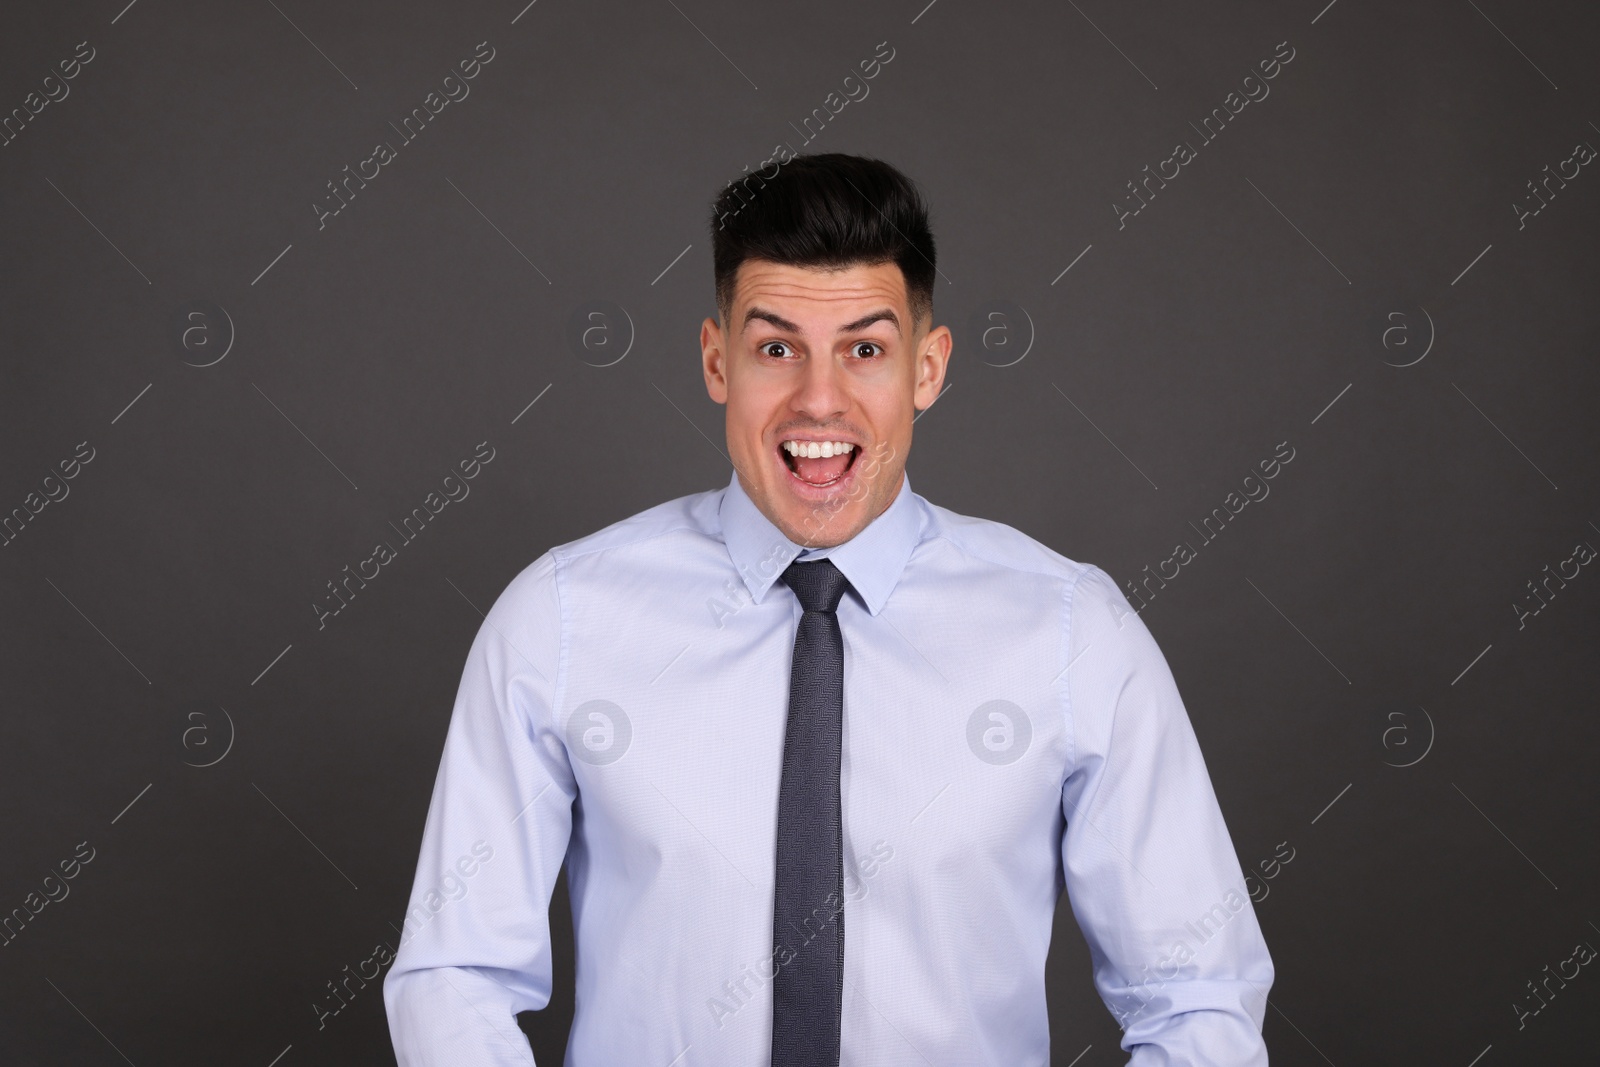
809	357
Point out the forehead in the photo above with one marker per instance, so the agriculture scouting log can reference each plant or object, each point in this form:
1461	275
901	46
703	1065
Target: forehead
818	292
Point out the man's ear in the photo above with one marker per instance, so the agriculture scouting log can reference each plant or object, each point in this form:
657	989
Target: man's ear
714	360
932	358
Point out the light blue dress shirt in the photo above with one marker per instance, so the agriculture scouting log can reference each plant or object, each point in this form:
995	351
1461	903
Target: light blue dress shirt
1010	729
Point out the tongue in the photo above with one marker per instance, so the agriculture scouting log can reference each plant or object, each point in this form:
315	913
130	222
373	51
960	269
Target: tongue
821	471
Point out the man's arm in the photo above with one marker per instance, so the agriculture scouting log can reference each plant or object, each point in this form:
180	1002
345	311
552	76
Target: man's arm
1151	872
475	947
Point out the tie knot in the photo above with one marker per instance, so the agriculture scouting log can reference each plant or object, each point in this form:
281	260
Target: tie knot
818	584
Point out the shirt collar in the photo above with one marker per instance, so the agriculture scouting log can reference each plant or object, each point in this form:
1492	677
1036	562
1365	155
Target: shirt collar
872	560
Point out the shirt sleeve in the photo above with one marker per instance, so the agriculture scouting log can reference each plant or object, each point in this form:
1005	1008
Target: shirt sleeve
475	946
1151	872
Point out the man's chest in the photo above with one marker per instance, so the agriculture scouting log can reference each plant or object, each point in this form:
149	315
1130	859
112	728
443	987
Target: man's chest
955	737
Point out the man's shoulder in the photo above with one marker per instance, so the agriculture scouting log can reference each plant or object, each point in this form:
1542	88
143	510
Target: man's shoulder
999	545
695	513
1100	611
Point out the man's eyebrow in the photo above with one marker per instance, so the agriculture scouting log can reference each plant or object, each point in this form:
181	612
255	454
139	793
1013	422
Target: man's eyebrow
881	315
768	316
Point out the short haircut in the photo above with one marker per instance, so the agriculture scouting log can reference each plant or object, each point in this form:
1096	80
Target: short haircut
824	211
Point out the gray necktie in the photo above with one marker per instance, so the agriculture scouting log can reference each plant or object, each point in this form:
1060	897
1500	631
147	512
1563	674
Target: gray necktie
808	897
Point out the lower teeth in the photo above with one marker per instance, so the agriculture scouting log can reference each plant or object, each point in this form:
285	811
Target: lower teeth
790	462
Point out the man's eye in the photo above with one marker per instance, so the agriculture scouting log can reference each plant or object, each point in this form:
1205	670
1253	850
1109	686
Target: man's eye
775	348
872	349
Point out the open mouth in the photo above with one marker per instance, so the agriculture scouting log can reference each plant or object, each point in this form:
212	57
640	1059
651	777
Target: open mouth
819	464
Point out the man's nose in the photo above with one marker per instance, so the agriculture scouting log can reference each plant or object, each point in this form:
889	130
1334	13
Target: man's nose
822	392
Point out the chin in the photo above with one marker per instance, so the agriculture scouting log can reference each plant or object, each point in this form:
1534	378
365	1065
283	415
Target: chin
808	531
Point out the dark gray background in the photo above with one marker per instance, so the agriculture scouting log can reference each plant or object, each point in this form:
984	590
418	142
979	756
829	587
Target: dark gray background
1359	617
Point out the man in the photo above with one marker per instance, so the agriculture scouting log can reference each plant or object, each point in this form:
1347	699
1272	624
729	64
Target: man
820	755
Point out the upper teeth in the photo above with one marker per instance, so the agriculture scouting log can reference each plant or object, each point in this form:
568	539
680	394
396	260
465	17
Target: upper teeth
817	449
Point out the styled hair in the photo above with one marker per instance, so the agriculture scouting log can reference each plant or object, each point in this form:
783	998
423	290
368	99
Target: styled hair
831	211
